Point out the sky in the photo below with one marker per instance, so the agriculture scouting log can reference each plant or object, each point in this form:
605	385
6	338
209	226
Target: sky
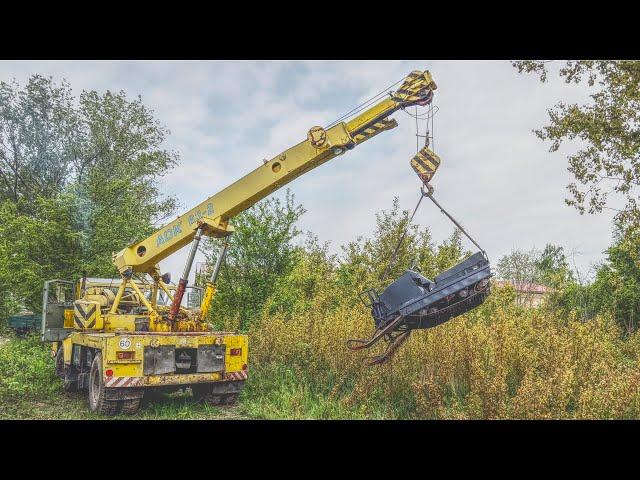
496	177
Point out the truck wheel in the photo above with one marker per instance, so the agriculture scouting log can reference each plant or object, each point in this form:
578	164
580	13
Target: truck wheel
61	372
69	386
203	392
131	407
230	399
97	401
60	364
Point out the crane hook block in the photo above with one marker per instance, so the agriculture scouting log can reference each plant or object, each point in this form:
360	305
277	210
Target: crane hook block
417	89
425	163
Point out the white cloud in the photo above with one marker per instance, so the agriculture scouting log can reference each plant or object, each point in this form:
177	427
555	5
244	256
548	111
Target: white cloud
496	176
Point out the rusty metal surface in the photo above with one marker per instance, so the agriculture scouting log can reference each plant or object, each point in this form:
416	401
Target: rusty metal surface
123	393
184	379
159	360
211	358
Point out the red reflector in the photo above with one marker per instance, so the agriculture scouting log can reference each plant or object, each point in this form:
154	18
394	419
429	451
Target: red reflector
244	367
125	355
235	351
109	373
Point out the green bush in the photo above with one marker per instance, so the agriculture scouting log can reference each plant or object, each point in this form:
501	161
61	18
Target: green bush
27	370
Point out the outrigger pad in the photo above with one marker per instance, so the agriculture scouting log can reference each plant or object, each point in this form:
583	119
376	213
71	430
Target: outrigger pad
425	303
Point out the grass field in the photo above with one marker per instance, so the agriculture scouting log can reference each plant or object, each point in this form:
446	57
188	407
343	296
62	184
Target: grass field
29	389
497	362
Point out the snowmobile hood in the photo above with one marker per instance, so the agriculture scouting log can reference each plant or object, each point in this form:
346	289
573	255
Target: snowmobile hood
409	286
414	289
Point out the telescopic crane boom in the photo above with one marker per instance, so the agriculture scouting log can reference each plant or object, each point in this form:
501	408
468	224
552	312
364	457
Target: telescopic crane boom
119	344
212	216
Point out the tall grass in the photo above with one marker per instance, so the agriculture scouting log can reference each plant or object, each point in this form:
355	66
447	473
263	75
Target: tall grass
499	361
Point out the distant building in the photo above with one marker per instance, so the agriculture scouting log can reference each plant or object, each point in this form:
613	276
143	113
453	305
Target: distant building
528	294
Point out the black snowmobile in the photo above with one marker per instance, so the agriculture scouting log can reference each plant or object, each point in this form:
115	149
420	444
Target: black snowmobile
414	302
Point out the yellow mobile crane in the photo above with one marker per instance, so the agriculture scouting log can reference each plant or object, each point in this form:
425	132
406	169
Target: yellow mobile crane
119	337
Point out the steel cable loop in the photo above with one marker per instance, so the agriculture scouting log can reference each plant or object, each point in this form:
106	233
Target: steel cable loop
430	114
404	234
426	193
353	112
429	194
364	104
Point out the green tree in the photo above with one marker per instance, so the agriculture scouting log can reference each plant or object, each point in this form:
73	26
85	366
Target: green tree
370	262
34	248
373	262
117	187
312	277
608	126
549	266
520	266
38	139
553	266
79	179
617	284
615	290
261	250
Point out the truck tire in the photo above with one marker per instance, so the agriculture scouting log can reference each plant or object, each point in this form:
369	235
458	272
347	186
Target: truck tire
68	385
131	407
203	393
230	399
60	364
97	402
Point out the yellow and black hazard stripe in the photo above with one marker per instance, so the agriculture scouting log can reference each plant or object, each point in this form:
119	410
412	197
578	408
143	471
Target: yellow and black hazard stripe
375	129
425	163
413	88
85	314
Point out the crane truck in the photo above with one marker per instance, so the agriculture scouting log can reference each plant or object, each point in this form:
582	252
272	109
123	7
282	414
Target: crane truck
117	338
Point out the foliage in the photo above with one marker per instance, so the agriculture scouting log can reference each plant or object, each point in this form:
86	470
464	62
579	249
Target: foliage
35	247
372	262
78	181
260	251
608	127
116	191
553	266
312	275
548	267
498	361
616	287
26	371
520	266
37	139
